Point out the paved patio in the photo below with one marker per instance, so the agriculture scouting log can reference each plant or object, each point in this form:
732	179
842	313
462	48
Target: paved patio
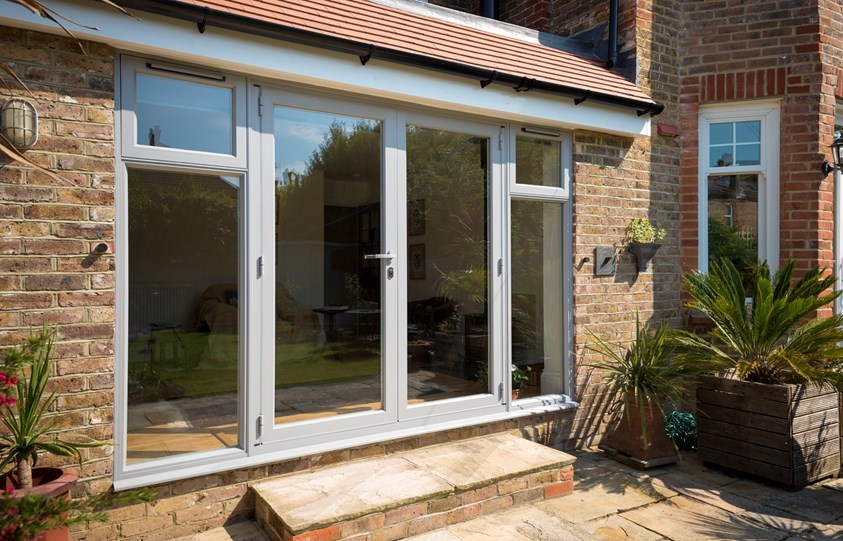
684	502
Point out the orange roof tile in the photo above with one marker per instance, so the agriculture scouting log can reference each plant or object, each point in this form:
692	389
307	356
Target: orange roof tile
393	31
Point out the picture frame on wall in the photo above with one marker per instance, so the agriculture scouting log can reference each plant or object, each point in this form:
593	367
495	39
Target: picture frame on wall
418	262
415	218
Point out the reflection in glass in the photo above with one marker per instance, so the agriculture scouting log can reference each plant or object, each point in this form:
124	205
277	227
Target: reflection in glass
327	296
447	287
721	133
180	114
537	295
183	313
748	154
735	143
538	162
748	132
733	220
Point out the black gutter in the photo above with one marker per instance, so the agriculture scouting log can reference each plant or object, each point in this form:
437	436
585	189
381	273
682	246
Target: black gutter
612	57
204	17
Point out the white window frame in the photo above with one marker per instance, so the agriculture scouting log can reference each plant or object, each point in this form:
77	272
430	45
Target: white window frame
768	174
415	420
543	194
131	148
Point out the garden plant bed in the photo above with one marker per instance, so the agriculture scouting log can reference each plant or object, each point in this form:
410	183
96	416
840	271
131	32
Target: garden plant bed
788	434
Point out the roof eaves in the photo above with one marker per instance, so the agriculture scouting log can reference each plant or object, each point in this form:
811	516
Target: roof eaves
203	17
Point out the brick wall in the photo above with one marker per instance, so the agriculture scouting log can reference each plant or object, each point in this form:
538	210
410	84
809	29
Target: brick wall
50	228
735	51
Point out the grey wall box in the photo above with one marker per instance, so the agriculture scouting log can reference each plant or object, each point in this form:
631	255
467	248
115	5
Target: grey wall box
605	258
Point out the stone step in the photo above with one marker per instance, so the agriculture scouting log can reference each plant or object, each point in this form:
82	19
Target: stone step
412	492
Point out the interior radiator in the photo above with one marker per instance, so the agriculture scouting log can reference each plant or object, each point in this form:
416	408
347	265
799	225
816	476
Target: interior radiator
160	305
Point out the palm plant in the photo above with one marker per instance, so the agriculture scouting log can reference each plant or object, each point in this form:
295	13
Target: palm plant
774	341
645	373
27	422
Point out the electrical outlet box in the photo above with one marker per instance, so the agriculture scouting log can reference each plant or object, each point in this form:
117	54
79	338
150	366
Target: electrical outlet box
605	259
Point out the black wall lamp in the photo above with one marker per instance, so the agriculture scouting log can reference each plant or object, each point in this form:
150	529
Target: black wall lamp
837	154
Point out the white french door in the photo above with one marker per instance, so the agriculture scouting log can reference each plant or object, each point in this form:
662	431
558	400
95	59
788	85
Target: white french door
378	279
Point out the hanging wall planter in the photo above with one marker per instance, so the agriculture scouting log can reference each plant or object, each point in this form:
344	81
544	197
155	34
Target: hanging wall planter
644	241
644	252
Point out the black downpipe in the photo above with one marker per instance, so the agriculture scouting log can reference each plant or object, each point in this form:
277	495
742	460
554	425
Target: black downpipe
612	57
489	9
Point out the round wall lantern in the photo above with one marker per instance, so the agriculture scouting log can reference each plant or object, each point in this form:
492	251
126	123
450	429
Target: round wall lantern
19	123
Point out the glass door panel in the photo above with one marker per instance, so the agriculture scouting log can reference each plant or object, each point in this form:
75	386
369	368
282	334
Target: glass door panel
328	354
184	320
448	346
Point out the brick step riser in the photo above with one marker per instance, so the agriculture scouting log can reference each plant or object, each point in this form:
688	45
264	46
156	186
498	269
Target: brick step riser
421	517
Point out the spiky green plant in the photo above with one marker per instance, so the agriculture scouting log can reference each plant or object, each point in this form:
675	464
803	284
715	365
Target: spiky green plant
645	372
776	339
27	423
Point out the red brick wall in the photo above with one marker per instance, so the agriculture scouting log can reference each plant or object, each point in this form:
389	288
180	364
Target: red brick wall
734	51
50	228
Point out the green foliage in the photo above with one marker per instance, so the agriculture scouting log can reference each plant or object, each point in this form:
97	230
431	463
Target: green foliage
518	374
159	208
777	341
641	230
681	427
23	518
724	242
646	371
27	424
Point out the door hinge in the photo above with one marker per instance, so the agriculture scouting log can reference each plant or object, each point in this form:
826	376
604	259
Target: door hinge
260	266
500	267
260	425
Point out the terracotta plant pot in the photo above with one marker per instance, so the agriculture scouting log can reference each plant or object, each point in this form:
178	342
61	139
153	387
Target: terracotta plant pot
47	482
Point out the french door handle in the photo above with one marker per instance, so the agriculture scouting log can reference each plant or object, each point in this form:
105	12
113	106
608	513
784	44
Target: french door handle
388	255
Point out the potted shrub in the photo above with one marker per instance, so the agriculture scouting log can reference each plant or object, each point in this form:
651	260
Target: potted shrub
519	379
772	411
641	378
35	503
644	241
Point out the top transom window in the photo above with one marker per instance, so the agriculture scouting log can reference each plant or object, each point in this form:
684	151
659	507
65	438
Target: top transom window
187	115
734	143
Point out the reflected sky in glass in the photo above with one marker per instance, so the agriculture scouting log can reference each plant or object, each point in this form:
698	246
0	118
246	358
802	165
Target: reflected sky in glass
180	114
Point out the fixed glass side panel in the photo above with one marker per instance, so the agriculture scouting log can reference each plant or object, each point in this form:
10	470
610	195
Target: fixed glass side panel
328	295
538	162
173	113
447	264
183	347
733	221
537	344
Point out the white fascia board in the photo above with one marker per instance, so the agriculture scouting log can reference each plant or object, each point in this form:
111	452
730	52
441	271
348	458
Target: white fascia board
279	60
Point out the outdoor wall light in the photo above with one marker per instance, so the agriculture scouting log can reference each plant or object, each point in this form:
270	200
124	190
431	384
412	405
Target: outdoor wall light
19	123
836	153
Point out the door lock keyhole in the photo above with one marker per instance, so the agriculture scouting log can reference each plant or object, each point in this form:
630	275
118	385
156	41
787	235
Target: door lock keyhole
390	272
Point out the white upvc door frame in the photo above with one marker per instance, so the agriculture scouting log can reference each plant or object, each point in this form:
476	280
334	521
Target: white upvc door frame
270	436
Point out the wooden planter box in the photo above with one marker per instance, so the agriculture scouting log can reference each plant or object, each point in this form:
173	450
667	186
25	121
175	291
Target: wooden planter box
788	434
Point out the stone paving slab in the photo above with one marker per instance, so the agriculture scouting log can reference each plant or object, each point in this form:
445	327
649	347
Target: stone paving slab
490	459
616	528
309	500
685	519
816	503
337	493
